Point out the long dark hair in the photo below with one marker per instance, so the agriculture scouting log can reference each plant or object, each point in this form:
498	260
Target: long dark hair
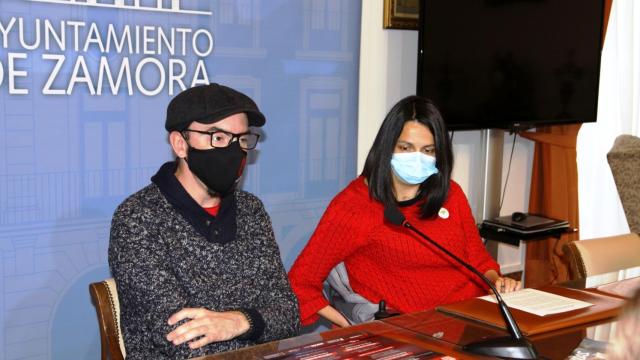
377	168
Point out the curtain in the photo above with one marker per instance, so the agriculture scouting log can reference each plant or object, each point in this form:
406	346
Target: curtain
554	193
601	212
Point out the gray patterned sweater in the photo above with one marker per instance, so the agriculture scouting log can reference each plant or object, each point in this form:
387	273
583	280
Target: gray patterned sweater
166	253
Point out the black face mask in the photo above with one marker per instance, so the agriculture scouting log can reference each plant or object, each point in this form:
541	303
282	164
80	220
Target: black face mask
219	168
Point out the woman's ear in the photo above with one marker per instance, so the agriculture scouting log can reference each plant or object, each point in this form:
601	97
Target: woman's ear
178	144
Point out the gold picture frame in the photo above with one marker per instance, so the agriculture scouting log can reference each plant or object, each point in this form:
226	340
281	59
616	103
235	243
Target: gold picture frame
401	14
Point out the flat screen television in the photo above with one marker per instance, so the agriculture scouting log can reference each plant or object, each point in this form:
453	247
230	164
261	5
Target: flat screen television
510	64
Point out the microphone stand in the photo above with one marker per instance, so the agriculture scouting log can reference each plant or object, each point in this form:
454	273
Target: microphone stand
515	346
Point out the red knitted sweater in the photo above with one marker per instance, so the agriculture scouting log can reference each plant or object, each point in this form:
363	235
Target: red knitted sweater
387	262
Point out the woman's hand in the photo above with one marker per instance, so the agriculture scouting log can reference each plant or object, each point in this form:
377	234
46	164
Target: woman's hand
330	313
206	326
503	284
507	284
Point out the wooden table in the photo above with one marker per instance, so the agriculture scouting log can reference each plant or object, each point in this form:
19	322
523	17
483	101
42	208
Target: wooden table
429	329
375	327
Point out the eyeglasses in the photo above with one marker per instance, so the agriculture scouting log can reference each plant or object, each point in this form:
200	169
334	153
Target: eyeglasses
222	139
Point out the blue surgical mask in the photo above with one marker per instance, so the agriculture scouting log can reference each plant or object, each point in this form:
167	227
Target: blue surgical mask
413	168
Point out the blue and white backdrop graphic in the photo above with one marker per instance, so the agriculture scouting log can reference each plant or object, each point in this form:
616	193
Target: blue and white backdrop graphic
83	92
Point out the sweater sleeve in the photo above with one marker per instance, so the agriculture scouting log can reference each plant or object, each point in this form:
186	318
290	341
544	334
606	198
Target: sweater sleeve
478	255
340	232
277	308
149	293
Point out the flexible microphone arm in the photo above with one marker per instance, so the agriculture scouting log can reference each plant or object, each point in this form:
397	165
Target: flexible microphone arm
516	347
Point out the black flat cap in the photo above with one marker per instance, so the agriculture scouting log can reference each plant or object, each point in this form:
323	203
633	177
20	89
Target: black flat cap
210	103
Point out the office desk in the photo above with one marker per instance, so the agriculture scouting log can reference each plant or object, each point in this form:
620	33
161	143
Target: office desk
375	327
429	329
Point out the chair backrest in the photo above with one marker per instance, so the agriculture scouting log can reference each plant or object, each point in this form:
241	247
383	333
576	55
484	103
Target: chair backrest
604	261
624	161
105	298
604	256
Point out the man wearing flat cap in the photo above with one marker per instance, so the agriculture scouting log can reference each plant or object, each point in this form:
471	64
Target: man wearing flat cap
195	260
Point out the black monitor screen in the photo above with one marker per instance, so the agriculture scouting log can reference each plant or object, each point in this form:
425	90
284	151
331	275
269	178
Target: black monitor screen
511	63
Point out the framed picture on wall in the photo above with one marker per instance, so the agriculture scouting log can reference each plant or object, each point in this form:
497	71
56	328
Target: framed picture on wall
401	14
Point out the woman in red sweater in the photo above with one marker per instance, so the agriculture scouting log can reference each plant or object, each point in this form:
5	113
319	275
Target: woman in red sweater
408	166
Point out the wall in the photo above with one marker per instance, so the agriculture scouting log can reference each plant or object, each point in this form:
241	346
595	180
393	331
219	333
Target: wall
69	155
388	63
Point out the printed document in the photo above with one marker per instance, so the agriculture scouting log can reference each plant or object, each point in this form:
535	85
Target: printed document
539	302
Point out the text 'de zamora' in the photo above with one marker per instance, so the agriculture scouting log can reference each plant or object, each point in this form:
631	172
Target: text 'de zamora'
101	59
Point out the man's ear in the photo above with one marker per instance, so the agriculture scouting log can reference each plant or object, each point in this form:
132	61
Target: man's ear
178	144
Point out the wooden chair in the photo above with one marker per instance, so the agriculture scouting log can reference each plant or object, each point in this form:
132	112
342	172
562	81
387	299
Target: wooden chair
604	259
104	295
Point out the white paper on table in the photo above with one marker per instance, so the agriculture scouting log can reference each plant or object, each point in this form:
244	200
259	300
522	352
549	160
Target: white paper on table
539	302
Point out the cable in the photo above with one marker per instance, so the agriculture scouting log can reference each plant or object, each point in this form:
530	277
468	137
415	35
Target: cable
506	181
451	137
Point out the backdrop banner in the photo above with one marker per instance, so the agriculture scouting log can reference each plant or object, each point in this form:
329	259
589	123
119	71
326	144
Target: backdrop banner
83	92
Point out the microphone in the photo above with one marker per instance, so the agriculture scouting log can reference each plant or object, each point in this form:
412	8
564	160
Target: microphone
382	312
515	346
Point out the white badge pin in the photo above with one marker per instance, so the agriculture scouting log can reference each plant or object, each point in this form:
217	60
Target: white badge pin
443	213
